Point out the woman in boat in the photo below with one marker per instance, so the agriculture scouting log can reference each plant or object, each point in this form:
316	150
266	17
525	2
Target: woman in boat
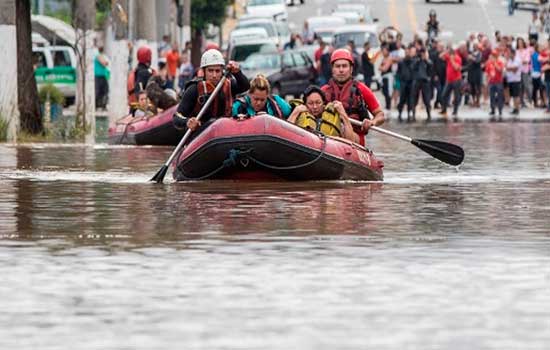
331	119
197	93
259	99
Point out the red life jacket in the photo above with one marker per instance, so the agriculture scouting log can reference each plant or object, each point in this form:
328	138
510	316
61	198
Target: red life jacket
352	100
205	89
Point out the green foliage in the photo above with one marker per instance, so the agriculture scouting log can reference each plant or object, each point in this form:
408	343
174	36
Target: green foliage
55	95
4	124
204	12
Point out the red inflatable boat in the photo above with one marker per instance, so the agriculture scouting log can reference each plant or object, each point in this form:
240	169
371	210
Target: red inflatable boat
155	130
267	148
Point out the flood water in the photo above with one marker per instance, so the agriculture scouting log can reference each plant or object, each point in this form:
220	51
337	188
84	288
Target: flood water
92	256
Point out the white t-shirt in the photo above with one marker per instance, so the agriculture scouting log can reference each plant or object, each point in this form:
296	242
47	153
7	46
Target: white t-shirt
513	77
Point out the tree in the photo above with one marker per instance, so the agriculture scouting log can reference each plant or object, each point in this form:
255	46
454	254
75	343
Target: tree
27	93
205	12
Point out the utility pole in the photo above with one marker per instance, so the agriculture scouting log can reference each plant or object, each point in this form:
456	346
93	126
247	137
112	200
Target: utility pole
146	31
8	74
83	22
186	21
118	97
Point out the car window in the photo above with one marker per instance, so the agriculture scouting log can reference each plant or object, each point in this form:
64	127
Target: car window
258	62
287	60
61	58
299	60
39	59
241	52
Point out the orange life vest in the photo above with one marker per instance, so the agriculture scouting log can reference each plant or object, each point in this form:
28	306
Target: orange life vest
205	89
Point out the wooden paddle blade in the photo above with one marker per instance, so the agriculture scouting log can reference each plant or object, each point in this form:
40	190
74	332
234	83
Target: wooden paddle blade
444	151
159	176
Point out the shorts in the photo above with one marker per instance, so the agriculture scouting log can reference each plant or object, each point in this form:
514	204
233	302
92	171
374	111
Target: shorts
515	89
396	84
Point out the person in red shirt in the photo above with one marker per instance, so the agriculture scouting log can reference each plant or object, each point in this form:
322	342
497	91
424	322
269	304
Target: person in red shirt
317	56
172	63
494	69
358	100
453	82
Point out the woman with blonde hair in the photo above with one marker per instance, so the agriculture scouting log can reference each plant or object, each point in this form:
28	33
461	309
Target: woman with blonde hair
259	99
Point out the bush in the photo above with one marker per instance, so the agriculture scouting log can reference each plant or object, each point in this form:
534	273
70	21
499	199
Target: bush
4	125
56	97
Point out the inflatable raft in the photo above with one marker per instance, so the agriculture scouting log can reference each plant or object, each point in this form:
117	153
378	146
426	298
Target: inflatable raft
267	148
155	130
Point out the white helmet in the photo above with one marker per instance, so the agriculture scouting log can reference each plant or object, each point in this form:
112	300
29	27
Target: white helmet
212	57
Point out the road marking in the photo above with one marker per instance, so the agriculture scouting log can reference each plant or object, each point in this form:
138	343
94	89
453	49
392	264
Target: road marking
412	16
393	14
482	4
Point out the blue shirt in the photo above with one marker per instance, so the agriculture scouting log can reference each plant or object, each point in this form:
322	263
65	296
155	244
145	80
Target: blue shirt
283	106
535	62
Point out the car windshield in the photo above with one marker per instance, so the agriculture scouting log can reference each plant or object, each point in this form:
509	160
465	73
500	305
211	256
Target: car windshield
359	38
263	2
259	62
267	26
241	52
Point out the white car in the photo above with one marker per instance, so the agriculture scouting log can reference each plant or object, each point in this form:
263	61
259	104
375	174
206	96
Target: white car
359	34
275	9
265	23
324	26
247	34
364	11
349	16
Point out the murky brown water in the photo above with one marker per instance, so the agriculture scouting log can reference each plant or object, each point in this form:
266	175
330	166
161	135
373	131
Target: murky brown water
92	256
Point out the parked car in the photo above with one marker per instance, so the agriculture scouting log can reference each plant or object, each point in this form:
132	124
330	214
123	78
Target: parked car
276	9
364	11
358	33
288	72
261	22
56	65
524	4
247	34
324	26
240	51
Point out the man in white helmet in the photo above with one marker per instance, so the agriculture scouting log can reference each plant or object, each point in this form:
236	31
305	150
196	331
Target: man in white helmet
196	94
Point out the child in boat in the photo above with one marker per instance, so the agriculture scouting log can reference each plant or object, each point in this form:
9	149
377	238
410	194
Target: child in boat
330	119
259	99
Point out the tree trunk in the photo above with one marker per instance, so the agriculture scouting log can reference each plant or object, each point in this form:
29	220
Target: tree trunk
196	48
29	107
118	54
83	22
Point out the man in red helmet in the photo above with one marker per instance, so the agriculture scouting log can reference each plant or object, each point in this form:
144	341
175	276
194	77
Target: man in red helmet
357	98
143	70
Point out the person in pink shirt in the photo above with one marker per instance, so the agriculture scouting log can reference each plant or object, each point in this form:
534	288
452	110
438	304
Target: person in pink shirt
494	69
453	81
524	53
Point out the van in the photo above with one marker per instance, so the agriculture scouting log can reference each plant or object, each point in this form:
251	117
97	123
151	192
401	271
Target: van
56	65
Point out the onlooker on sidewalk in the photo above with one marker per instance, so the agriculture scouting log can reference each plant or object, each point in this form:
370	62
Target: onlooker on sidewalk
387	75
538	86
422	71
475	74
307	34
494	68
535	27
367	64
513	77
172	63
186	71
453	83
164	46
405	76
439	72
524	54
101	73
544	59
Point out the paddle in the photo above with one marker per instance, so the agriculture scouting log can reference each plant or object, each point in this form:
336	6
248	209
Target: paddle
444	151
159	176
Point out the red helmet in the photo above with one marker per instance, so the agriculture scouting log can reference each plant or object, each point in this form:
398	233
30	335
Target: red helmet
144	55
341	54
211	45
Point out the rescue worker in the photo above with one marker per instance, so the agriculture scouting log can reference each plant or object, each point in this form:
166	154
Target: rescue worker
259	99
143	70
197	93
432	26
357	99
331	119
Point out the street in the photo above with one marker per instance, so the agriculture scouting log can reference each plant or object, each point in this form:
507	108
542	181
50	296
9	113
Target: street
410	16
